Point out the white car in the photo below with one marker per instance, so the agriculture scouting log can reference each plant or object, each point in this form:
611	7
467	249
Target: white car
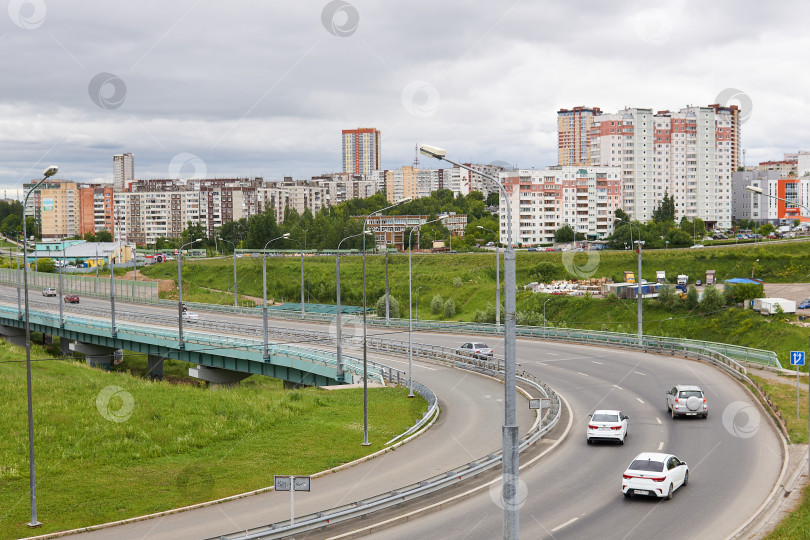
655	474
476	350
687	400
696	246
190	317
607	425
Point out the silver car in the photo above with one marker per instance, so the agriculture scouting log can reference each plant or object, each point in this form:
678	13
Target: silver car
476	350
49	291
687	400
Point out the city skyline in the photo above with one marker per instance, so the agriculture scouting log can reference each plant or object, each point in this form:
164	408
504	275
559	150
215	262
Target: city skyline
86	82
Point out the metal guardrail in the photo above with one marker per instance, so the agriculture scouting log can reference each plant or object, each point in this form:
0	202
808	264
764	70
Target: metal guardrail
422	488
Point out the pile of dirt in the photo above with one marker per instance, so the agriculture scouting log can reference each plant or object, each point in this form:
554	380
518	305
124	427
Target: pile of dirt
164	285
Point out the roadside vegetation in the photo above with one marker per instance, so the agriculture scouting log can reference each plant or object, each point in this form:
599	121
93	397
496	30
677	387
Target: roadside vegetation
110	445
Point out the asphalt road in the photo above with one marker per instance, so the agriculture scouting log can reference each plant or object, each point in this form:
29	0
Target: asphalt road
575	491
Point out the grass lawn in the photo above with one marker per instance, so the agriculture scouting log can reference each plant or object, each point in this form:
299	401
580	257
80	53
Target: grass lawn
111	446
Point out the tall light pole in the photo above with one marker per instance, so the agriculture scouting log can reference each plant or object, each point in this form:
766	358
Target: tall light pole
50	171
365	333
640	243
264	290
180	290
544	315
497	279
511	518
410	302
234	270
416	305
61	299
338	321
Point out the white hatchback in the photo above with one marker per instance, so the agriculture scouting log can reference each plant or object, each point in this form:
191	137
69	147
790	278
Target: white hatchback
607	425
654	474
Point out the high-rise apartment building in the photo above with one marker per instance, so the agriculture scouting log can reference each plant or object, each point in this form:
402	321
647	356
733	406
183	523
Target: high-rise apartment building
59	210
95	209
542	201
361	150
690	154
573	127
123	172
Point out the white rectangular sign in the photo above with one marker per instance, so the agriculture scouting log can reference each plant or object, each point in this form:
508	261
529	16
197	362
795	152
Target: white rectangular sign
282	483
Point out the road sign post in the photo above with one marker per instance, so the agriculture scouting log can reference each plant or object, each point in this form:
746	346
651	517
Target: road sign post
797	359
291	484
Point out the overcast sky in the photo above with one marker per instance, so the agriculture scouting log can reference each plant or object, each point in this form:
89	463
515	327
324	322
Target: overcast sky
227	89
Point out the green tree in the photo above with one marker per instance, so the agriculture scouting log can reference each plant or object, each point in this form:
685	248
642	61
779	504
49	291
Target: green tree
393	307
621	216
261	229
740	292
11	225
665	210
436	304
797	222
89	237
104	236
712	300
666	295
46	265
564	234
449	308
692	298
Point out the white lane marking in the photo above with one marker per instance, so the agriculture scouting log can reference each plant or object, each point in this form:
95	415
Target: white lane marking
595	362
617	386
639	400
658	420
552	354
569	522
638	373
585	374
541	364
661	445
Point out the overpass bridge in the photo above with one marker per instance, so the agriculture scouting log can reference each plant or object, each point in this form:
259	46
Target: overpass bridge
219	358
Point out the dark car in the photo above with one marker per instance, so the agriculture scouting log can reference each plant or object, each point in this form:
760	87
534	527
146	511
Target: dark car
72	299
532	249
805	304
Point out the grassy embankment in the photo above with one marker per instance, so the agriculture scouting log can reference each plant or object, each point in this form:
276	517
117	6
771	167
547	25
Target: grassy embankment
182	444
469	279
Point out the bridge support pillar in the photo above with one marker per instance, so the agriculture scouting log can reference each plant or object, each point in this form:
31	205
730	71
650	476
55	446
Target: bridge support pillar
155	367
64	347
94	355
217	375
13	335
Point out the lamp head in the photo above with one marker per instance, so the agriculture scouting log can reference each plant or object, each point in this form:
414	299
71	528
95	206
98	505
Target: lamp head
50	171
403	201
444	216
285	235
755	189
370	232
480	227
432	151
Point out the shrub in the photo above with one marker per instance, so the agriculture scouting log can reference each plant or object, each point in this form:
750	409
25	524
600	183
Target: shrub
449	308
457	282
393	307
436	304
712	300
45	265
692	296
666	296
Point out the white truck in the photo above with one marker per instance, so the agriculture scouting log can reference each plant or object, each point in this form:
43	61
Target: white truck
683	279
660	276
769	306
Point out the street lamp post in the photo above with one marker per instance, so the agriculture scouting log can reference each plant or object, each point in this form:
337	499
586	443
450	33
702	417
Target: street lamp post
338	320
234	271
50	171
365	333
264	290
511	518
180	291
544	315
638	279
410	302
497	279
416	305
61	299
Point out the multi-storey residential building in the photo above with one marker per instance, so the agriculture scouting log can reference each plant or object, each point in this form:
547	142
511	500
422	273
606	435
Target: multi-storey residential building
748	205
59	211
95	203
542	201
33	208
299	195
789	164
803	163
123	171
142	217
347	186
573	127
391	230
361	150
690	154
461	181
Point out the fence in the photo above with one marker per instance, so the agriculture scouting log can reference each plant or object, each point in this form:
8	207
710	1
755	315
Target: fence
125	289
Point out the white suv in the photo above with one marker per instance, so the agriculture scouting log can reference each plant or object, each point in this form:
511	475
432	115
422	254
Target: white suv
687	400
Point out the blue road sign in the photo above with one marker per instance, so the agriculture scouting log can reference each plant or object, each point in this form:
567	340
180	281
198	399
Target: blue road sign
796	358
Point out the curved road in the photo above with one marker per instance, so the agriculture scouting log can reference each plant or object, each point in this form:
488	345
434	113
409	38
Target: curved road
575	491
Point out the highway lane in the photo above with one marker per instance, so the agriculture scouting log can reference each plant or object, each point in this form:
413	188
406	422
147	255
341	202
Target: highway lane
730	477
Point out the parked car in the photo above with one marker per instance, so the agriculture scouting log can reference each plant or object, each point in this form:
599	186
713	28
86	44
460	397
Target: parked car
688	400
476	349
72	299
49	291
549	249
698	282
490	244
654	474
805	304
532	249
452	251
607	425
